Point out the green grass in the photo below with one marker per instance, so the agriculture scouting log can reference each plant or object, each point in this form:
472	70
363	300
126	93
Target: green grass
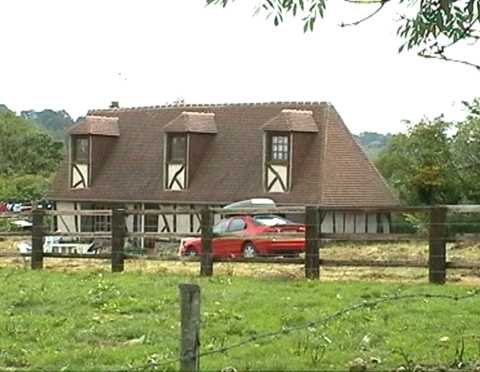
101	321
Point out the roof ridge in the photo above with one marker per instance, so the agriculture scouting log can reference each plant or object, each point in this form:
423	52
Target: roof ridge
96	117
197	113
208	105
296	111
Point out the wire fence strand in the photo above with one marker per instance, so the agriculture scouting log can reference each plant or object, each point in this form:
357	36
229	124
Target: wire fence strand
372	304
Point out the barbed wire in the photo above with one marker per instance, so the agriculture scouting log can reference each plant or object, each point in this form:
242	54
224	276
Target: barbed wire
326	319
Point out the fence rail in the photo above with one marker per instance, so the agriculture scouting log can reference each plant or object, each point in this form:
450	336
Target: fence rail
435	232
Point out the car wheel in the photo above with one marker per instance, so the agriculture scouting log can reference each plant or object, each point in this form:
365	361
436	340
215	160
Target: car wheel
249	250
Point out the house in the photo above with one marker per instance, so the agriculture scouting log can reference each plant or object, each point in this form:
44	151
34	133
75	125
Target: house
295	153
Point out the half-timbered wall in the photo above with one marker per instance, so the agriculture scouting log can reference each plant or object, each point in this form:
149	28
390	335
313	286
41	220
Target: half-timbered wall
332	222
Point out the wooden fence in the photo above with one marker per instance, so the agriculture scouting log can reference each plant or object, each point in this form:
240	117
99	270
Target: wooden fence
437	237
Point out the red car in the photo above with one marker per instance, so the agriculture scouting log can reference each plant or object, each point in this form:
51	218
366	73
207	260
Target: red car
243	238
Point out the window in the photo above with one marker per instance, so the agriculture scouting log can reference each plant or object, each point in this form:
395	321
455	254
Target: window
80	167
271	220
237	224
95	223
177	148
279	148
220	227
80	153
150	225
277	162
176	162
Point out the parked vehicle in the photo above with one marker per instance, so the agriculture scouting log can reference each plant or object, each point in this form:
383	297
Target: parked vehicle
250	236
56	244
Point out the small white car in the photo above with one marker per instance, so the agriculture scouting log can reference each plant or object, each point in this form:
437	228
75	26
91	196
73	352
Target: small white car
56	244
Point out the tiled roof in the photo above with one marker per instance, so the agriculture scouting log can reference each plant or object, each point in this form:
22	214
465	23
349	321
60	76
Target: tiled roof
333	169
292	121
193	122
96	125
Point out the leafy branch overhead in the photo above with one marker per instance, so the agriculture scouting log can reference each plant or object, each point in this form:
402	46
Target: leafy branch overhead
430	27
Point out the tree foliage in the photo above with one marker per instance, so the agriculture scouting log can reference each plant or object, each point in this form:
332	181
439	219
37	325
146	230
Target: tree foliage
418	163
24	187
435	161
28	157
430	27
466	152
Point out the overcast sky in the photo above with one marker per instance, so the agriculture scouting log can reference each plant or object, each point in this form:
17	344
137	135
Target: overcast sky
82	54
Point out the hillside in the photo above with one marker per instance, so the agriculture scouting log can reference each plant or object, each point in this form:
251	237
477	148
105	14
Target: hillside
3	108
373	142
54	122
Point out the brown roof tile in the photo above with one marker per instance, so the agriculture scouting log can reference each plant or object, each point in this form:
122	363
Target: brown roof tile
333	169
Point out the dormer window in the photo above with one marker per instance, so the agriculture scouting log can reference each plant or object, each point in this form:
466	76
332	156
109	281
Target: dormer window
176	161
80	150
80	159
279	148
186	139
277	165
177	148
280	133
90	142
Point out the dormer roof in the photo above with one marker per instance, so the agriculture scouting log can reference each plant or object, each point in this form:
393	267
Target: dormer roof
193	122
289	120
96	126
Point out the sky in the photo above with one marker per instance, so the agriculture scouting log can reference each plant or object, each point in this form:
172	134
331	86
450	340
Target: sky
82	54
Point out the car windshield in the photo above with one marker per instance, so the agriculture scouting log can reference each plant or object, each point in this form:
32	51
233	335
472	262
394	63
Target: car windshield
220	227
271	220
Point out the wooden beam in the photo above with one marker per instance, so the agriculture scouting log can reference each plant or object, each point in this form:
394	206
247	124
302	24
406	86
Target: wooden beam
189	327
437	269
206	267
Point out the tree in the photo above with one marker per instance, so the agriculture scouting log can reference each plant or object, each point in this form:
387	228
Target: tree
418	164
434	27
466	152
25	149
23	188
28	157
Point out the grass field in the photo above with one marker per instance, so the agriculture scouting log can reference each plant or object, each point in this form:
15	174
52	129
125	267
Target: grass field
92	320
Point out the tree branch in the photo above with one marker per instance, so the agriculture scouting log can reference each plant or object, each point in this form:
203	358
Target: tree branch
442	57
356	23
365	2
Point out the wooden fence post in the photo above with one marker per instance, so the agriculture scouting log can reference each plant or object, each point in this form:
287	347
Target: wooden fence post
118	239
38	234
312	257
190	327
206	259
437	263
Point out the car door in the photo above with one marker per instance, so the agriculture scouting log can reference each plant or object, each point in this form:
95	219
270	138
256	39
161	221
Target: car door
236	228
218	242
